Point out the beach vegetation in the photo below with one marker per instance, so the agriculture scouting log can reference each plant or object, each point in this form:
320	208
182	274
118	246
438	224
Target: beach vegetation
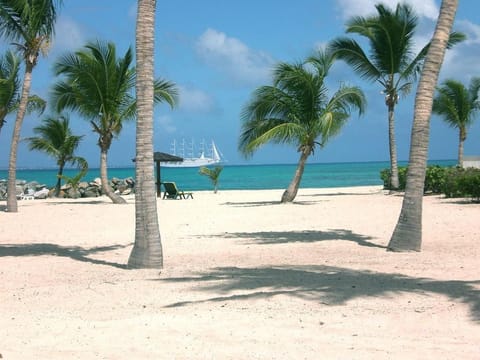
10	87
98	85
297	110
54	137
30	26
407	235
212	174
74	181
434	178
390	61
458	105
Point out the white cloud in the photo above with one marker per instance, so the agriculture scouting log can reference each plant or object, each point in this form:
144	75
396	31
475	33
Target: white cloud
69	35
166	124
233	57
470	29
461	62
349	8
194	100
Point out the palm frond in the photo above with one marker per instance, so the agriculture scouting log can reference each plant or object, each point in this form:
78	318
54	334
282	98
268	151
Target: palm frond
350	51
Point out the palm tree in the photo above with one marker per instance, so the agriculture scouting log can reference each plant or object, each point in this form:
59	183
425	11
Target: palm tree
391	61
296	110
33	24
458	106
407	235
10	87
212	174
55	138
147	249
99	87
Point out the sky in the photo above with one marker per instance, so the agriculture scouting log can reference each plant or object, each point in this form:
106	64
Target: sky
218	52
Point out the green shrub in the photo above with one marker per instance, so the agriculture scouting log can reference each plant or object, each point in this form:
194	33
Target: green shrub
385	175
450	186
434	179
469	183
453	182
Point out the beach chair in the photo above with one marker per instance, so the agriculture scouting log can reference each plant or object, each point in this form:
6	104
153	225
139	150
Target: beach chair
172	192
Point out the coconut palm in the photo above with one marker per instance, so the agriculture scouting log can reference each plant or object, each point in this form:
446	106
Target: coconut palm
10	88
296	110
55	138
458	106
30	25
147	249
212	174
99	87
407	235
391	60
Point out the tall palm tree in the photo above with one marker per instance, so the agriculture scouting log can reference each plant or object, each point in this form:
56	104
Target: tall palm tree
30	24
391	61
296	110
147	249
99	87
458	106
10	88
55	138
407	235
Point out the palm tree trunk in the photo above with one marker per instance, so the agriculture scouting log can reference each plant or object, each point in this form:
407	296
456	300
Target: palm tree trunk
407	235
290	193
59	181
12	205
147	249
394	182
106	189
461	141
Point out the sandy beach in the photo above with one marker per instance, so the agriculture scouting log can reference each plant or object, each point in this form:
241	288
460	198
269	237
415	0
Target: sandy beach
244	278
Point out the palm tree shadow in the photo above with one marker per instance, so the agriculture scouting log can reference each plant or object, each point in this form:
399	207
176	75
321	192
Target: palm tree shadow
251	203
325	284
268	203
73	252
307	236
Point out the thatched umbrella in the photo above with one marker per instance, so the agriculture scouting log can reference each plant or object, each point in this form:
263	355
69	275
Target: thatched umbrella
162	157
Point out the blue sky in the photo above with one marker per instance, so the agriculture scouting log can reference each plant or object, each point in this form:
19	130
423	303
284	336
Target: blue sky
218	52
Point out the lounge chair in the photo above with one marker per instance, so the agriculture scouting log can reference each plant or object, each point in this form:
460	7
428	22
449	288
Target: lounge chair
172	192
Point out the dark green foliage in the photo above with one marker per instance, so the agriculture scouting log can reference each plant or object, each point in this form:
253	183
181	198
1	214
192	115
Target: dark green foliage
461	182
434	179
385	175
451	181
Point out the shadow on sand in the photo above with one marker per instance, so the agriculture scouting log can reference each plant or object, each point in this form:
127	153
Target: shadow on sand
325	284
307	236
73	252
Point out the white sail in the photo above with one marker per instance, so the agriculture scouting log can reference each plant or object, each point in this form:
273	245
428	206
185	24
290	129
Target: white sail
213	157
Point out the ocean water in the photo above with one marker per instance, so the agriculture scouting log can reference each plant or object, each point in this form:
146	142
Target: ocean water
240	177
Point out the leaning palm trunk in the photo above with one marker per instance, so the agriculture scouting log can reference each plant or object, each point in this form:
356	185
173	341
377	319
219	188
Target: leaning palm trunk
106	189
394	182
147	249
291	192
407	235
12	205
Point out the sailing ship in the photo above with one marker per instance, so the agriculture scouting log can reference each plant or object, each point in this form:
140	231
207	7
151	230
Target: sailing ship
211	156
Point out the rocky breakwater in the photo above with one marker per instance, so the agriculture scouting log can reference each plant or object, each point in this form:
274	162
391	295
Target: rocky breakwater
84	189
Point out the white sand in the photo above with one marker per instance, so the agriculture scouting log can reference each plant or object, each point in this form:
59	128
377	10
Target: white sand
244	278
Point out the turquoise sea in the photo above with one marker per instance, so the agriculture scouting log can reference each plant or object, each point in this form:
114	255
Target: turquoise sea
239	177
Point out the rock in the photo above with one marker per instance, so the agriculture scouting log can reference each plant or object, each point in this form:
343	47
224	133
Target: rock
41	194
